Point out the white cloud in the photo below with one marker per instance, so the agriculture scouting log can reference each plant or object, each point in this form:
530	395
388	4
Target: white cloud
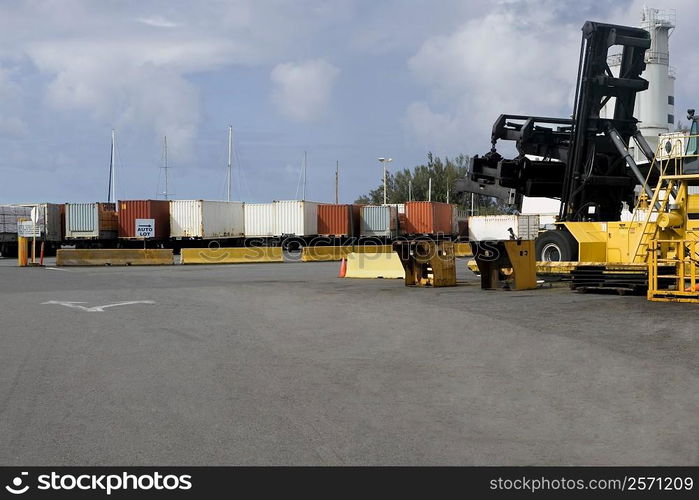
157	22
520	58
302	90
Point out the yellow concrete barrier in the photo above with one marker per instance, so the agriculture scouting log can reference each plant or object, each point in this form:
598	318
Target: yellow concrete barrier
245	255
114	257
462	250
374	265
316	254
373	249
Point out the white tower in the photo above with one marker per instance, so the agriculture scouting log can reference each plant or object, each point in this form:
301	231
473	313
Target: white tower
655	107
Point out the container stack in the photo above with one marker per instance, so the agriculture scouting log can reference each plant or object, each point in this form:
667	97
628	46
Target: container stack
131	210
202	219
428	217
259	220
379	221
295	218
92	221
338	220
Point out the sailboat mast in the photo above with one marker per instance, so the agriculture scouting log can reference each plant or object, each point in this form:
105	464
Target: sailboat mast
165	166
230	155
304	176
113	168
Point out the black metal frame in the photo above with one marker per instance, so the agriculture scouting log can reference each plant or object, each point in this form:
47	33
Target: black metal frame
584	160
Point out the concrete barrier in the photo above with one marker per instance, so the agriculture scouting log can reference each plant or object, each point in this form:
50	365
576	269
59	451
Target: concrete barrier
374	265
317	254
373	249
245	255
114	257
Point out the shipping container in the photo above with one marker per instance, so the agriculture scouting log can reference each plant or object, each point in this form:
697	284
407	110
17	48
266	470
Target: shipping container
297	218
259	220
338	220
497	227
379	221
460	221
97	221
131	210
428	217
202	219
49	222
8	220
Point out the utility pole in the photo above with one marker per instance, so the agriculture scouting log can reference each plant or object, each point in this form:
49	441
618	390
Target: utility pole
230	163
337	182
384	161
429	196
410	190
447	189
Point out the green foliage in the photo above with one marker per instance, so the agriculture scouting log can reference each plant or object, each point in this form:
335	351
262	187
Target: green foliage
444	175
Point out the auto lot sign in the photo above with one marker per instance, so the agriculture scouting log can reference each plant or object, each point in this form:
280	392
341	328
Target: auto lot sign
145	228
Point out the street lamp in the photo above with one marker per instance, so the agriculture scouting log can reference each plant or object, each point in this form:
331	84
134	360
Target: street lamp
384	161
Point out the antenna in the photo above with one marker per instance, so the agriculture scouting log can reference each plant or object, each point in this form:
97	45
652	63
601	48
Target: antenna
230	153
337	182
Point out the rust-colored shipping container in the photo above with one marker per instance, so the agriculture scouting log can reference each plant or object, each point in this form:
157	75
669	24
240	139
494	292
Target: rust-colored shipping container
428	217
130	210
338	220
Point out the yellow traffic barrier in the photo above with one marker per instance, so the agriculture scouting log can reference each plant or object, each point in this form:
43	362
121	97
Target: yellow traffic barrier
462	250
114	257
373	249
317	254
374	265
244	255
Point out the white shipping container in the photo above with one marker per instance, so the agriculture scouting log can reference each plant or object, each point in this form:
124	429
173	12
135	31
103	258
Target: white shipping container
8	218
49	220
497	227
203	219
298	218
259	220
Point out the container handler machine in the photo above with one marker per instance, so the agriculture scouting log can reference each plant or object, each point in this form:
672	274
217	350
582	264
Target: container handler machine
585	162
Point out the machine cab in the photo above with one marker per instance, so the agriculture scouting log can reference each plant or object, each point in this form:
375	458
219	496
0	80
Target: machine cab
691	153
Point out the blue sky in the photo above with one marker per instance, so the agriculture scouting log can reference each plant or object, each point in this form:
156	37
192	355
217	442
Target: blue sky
344	80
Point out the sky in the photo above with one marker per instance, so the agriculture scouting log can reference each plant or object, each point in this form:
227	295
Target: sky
343	81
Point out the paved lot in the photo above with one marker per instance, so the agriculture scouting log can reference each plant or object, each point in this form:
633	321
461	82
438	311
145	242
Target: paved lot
286	364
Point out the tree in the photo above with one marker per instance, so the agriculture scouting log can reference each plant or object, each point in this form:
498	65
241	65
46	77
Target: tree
444	175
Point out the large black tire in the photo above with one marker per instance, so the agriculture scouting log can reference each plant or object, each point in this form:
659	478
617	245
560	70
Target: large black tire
555	246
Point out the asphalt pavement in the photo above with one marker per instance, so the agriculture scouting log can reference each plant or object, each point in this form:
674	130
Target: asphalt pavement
286	364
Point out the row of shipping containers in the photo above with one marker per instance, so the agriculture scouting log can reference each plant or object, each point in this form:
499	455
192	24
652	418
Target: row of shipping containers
202	219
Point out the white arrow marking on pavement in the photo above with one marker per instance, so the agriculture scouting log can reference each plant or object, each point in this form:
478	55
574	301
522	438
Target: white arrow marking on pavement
77	305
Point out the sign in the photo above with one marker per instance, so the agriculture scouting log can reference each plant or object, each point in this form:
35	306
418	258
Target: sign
27	229
145	228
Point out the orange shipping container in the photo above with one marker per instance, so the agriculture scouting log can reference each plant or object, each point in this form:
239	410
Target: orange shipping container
338	220
428	217
130	210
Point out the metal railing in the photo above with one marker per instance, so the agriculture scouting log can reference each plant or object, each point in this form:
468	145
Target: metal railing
680	256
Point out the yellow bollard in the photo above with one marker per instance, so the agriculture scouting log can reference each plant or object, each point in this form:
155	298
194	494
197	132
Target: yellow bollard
22	251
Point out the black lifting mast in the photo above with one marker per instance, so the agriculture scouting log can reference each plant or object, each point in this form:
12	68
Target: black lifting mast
583	161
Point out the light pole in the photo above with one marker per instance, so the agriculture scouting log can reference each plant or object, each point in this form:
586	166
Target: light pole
384	161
